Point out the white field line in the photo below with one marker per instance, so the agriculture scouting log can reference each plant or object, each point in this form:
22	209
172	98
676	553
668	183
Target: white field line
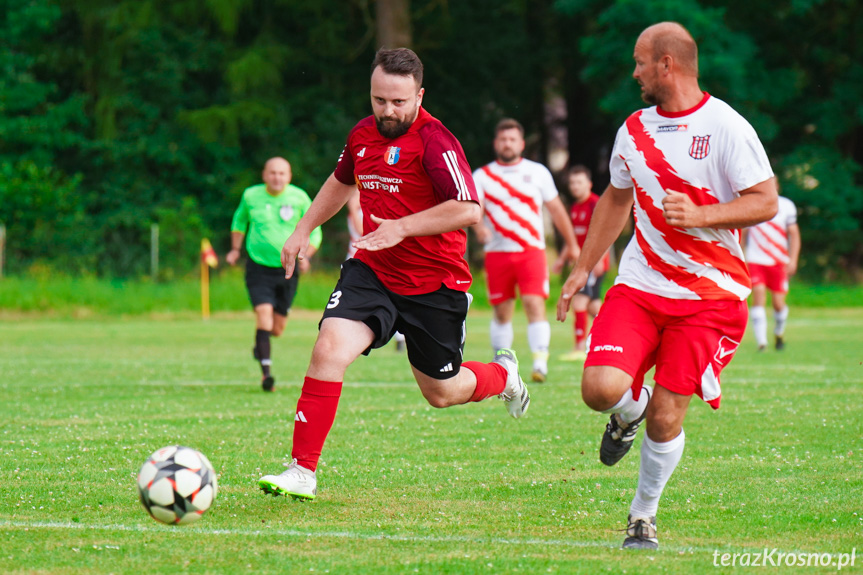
359	536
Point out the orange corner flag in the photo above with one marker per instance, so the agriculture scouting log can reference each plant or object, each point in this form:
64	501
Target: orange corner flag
208	254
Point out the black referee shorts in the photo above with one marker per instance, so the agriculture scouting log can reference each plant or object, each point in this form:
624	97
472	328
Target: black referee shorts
268	285
433	324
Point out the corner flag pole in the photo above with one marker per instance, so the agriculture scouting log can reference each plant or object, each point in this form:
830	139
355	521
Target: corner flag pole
209	259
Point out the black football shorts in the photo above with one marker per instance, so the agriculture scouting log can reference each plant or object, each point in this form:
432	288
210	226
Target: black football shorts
433	324
268	285
593	287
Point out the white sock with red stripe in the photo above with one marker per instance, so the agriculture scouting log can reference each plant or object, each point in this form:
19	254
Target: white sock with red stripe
758	315
501	335
539	337
781	317
627	408
658	461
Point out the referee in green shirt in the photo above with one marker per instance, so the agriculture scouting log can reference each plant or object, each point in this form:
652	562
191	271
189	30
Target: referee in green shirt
270	212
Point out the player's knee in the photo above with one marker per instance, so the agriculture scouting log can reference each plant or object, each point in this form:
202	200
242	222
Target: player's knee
597	395
437	400
662	427
277	330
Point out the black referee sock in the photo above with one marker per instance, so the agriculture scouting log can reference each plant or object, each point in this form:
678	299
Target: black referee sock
262	349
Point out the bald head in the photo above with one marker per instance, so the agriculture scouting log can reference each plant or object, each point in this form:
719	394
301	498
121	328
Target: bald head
277	175
672	40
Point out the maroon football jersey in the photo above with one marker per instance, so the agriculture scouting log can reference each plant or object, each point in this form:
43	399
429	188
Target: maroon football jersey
581	214
399	177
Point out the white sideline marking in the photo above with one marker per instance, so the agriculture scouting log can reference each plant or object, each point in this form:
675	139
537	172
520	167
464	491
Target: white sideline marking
269	533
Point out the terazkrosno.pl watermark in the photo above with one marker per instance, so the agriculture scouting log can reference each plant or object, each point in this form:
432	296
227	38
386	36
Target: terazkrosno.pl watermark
776	558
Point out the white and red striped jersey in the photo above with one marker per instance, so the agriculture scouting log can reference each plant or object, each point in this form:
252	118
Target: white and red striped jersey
767	243
710	153
512	196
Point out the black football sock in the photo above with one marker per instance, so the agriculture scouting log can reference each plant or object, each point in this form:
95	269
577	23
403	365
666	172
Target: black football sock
262	345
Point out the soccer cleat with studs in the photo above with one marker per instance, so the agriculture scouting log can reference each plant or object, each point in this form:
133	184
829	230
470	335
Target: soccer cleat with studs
515	392
618	436
780	343
296	481
539	376
641	533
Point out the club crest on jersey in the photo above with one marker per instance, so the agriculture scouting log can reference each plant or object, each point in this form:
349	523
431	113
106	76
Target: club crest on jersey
392	155
285	212
700	147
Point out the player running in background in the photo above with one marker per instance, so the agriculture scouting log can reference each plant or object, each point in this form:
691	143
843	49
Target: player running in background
589	299
513	190
270	212
409	272
696	172
772	251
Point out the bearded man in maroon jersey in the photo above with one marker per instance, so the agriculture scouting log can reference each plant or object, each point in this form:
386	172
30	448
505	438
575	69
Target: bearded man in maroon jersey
409	273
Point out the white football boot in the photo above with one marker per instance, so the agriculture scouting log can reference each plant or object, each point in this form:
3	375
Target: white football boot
515	393
296	481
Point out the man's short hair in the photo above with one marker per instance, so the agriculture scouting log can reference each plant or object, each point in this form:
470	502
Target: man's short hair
400	62
509	124
579	169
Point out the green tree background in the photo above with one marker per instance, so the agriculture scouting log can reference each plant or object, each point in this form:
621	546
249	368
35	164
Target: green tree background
115	115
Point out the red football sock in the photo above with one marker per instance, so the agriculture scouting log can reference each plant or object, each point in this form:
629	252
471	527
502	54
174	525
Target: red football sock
580	327
316	411
490	379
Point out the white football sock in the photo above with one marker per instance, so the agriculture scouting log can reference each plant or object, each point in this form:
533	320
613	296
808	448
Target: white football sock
629	409
781	317
658	461
758	315
501	335
538	337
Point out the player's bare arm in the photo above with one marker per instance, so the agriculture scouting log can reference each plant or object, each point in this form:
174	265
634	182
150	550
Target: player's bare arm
794	243
236	244
755	205
609	218
446	217
561	221
330	199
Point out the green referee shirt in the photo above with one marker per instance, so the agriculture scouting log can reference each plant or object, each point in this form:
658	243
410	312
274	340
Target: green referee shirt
270	220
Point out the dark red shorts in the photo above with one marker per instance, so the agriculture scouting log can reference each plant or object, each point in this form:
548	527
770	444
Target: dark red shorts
505	270
689	341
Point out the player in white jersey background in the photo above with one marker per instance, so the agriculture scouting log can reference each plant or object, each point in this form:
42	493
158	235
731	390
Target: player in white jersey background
513	190
772	251
694	172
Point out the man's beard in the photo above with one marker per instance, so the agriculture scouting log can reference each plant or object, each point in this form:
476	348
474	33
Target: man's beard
655	97
392	128
507	157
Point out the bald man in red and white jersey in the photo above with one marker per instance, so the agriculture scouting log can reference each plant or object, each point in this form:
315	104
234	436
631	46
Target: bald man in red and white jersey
513	191
772	251
408	274
693	171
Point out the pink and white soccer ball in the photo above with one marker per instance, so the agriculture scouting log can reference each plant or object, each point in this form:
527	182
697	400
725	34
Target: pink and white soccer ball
177	485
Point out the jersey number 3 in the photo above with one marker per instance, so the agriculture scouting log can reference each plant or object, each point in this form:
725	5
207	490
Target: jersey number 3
334	299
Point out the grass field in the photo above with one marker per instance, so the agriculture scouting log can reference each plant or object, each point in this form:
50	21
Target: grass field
403	487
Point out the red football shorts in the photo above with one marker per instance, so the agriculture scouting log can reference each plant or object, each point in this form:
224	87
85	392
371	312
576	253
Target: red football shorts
505	270
774	277
689	341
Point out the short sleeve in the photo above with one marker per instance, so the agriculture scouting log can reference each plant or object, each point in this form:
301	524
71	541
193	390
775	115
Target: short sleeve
344	171
240	221
477	182
746	162
546	184
446	165
617	168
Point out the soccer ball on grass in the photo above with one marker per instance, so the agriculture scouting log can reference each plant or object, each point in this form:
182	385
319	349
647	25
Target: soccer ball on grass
177	485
